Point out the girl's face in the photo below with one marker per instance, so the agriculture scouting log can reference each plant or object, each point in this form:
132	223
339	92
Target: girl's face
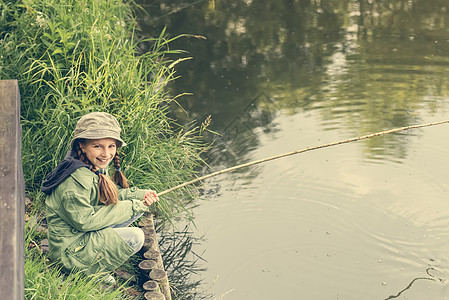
100	152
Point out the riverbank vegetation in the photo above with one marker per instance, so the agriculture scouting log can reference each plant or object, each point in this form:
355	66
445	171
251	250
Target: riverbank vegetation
74	57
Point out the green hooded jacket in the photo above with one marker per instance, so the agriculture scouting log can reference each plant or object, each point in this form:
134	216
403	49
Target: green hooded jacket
78	232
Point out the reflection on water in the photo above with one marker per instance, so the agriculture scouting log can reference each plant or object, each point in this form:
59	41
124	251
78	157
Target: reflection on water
365	65
366	220
240	136
180	261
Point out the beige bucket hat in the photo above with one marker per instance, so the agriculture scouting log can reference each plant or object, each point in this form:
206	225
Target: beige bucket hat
98	125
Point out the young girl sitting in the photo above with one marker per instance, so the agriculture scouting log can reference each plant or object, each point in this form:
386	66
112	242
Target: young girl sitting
88	214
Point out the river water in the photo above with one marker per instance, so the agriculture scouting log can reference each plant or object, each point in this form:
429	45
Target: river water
363	220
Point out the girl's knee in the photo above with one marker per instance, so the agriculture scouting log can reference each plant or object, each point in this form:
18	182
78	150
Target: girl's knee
139	239
133	236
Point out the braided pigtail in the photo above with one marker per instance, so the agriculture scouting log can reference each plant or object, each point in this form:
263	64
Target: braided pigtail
80	155
107	189
119	177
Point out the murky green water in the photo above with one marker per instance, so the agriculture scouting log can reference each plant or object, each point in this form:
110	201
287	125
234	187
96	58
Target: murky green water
365	220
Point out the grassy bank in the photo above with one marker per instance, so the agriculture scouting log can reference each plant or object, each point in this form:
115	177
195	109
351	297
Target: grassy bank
74	57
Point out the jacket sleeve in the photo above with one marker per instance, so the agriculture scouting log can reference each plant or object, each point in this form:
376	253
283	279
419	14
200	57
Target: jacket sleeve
130	193
76	209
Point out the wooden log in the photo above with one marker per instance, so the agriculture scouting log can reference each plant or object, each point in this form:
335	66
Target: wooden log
146	222
151	254
147	264
149	231
125	275
149	243
44	245
154	254
133	293
154	296
12	194
151	285
158	275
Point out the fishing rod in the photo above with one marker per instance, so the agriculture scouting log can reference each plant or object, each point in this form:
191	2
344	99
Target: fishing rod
299	151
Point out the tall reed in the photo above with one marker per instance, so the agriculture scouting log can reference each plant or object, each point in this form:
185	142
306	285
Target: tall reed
74	57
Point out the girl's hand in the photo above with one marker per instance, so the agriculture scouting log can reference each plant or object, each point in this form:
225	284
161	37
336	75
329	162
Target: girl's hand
150	197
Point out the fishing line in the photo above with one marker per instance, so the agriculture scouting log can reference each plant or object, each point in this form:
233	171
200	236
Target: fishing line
300	151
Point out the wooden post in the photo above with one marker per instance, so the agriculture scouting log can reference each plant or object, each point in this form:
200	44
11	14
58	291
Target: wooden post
12	194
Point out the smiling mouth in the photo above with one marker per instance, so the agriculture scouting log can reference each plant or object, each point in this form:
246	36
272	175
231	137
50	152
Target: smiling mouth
103	160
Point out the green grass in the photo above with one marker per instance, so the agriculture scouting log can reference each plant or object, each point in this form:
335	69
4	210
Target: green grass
44	280
74	57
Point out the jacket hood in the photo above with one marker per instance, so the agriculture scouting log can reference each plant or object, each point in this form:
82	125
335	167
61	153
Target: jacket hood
63	170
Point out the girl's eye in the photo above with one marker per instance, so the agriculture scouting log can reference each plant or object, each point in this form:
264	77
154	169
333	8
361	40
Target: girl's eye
112	146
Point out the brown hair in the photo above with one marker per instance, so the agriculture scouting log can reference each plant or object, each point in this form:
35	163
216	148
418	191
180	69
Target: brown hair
107	188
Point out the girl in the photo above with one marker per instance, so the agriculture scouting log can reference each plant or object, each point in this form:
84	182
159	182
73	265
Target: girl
88	214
